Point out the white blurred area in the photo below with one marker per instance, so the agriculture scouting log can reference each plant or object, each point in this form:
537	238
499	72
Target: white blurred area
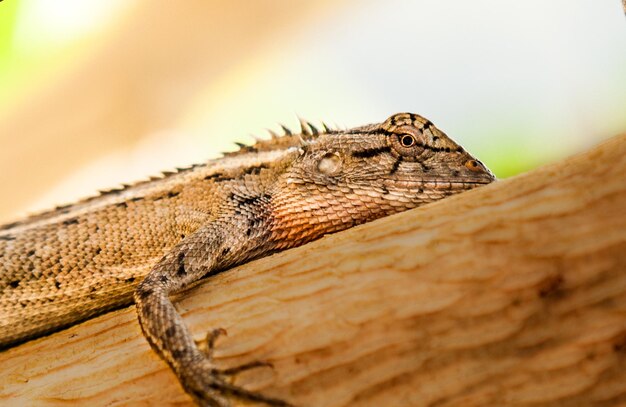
45	25
519	83
545	77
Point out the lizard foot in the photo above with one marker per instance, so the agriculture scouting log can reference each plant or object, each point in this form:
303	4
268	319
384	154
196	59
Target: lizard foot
210	386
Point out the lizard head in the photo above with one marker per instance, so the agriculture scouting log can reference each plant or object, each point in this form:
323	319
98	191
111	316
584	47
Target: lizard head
363	173
405	153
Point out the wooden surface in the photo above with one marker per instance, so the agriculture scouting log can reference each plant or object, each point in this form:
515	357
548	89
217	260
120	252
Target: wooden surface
512	294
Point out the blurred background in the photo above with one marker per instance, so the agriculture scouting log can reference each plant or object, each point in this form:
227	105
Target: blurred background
94	93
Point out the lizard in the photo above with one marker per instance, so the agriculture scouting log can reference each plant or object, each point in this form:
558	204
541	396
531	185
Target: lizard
145	242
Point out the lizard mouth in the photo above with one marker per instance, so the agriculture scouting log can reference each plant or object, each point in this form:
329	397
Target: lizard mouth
477	182
482	179
444	184
455	185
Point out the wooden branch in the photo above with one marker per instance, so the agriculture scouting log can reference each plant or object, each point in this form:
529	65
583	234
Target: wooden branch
513	294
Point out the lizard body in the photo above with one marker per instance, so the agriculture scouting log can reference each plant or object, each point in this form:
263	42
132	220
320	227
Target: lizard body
147	241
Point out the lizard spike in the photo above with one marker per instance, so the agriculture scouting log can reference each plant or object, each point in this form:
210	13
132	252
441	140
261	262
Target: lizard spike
273	134
110	191
286	130
303	142
326	128
303	127
314	129
244	147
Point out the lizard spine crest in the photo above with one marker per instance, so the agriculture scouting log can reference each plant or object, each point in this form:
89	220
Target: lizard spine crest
277	142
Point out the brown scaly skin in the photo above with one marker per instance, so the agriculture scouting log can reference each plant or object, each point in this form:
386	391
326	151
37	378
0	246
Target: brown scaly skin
155	238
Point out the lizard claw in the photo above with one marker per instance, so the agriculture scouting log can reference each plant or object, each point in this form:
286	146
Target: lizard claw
207	345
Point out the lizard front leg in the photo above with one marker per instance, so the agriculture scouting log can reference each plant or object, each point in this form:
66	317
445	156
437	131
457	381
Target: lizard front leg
166	331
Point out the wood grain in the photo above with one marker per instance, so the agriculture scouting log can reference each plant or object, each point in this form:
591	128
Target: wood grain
512	294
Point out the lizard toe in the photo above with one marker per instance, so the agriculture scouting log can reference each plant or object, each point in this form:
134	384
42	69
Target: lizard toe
247	366
207	345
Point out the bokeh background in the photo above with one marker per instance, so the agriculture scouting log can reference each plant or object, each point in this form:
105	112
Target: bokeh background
98	92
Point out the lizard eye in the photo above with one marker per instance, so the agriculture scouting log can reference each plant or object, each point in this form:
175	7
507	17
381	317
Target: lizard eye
407	140
473	165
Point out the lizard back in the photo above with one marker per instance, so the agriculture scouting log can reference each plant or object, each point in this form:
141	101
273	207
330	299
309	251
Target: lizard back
79	261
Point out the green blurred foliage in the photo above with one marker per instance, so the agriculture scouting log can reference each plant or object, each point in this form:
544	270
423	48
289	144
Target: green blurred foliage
8	12
8	66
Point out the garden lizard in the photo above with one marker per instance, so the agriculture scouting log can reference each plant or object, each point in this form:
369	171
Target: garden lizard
143	242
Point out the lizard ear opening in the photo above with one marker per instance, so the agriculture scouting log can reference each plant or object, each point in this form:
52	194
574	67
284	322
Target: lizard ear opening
330	164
